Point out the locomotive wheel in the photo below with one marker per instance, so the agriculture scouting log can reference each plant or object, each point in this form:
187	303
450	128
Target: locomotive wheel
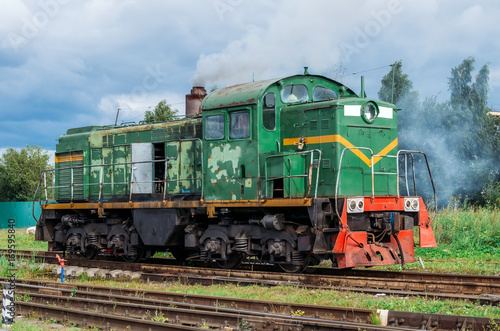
232	261
292	268
133	258
89	253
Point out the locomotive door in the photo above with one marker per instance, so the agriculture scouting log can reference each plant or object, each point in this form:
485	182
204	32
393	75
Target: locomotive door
142	168
293	127
184	167
321	133
317	128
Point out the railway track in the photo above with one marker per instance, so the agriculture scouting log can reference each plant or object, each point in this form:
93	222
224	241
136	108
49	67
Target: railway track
126	312
93	303
485	289
404	275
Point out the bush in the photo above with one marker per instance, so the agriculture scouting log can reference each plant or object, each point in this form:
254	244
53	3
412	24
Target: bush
491	194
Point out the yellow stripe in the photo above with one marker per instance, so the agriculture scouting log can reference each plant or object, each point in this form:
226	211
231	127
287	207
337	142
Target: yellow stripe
69	158
76	157
386	150
61	159
336	138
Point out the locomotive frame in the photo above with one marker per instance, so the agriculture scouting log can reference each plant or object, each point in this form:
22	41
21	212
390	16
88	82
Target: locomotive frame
281	171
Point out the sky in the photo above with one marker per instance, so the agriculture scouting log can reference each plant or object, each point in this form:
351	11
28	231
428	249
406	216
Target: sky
69	63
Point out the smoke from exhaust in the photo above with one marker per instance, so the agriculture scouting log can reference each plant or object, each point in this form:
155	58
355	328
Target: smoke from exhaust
278	47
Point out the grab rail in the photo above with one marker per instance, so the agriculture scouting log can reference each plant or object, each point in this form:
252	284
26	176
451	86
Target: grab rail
410	152
373	173
307	175
72	185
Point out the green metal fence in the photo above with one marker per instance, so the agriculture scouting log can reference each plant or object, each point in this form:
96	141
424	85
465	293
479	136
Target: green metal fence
21	212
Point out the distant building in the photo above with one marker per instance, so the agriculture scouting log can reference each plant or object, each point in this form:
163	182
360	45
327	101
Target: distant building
494	113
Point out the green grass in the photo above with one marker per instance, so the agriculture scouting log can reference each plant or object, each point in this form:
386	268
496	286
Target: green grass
29	269
39	325
22	240
468	241
469	233
25	326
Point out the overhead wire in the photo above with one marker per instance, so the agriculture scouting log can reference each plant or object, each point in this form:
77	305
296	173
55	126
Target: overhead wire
359	72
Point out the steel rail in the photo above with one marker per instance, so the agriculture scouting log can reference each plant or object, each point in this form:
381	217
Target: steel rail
192	315
169	265
239	307
92	318
467	287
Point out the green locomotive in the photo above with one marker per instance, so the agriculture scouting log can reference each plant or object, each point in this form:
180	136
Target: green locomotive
283	171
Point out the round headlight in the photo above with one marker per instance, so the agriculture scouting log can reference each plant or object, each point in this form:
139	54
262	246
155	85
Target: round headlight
408	204
352	205
361	204
414	204
369	112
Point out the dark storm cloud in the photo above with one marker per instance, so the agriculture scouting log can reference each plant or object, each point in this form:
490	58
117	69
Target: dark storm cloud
67	63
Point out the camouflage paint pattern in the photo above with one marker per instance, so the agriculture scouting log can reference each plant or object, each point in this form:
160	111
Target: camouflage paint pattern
106	154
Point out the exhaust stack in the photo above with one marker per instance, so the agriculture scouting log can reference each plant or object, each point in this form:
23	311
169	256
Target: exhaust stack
193	100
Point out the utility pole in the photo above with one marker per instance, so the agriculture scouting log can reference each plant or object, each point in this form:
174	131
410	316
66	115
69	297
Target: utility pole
392	87
118	112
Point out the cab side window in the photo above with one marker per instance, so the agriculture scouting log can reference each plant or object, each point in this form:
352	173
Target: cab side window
214	127
269	111
239	125
321	93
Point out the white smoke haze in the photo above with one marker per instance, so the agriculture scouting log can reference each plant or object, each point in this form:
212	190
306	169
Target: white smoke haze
262	56
423	130
282	47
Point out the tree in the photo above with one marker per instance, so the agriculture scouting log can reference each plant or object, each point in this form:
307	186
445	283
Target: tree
402	85
163	112
20	172
473	132
458	137
409	103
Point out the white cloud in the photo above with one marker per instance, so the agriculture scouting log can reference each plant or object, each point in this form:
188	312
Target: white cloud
91	57
133	107
297	34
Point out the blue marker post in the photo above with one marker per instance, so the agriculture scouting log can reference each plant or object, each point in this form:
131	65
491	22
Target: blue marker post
61	262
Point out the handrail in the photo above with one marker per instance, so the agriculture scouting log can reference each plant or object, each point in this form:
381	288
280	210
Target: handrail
340	167
338	175
397	156
308	174
411	152
101	182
